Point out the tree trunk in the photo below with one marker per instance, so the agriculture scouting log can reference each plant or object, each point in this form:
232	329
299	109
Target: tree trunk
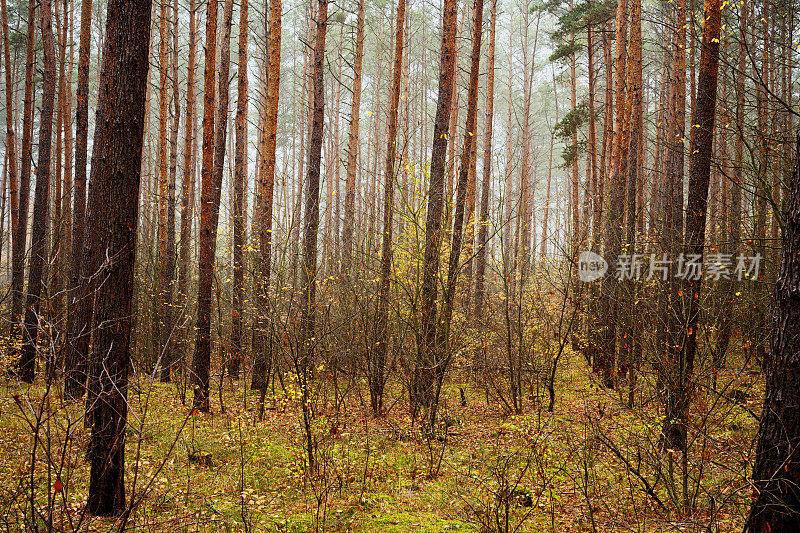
187	182
20	236
483	231
377	363
311	222
422	386
735	212
604	362
776	505
266	187
352	146
113	206
630	343
448	300
11	147
41	202
201	361
239	179
701	144
76	364
673	230
168	280
160	307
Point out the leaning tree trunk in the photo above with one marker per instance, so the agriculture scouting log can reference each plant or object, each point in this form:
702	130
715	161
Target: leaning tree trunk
424	376
113	206
463	176
701	143
41	202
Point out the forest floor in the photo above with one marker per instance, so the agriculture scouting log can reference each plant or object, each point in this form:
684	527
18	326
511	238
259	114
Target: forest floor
591	465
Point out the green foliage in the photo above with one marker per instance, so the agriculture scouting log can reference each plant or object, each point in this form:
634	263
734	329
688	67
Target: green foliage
572	122
575	20
565	50
569	153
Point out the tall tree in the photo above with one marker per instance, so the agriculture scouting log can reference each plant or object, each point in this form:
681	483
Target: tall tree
428	356
41	201
311	222
377	364
113	206
674	172
160	309
483	223
630	345
20	236
461	189
352	145
266	187
168	272
209	210
65	100
776	502
239	178
11	147
189	157
701	144
735	187
604	363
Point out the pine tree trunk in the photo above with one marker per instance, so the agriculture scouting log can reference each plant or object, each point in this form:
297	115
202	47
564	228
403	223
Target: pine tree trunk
674	170
352	146
776	504
76	366
201	361
311	223
377	364
483	224
614	222
701	144
423	380
11	147
454	267
187	182
630	344
113	206
266	186
168	280
239	179
41	202
735	212
20	236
